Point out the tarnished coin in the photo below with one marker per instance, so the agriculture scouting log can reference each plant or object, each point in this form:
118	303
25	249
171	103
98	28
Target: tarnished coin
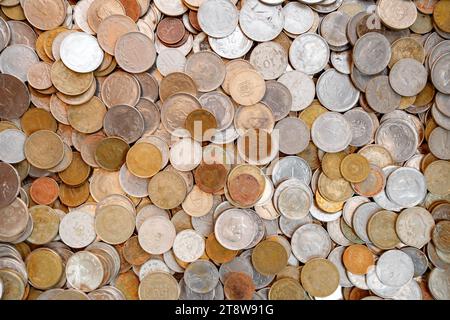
269	257
159	286
388	11
239	286
286	289
217	18
114	224
44	268
381	230
45	15
206	69
144	160
438	77
408	77
44	149
167	190
126	52
440	236
380	95
15	98
269	59
120	88
437	283
320	277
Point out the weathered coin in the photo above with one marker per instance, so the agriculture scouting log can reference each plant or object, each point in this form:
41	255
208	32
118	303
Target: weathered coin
175	111
414	226
269	257
439	78
159	286
355	168
292	22
15	97
125	122
120	88
331	132
44	268
439	236
305	248
395	268
278	98
247	87
289	128
320	277
380	95
111	153
206	69
39	19
388	13
408	77
261	22
156	235
111	29
44	149
437	283
170	31
406	186
167	190
197	203
87	117
126	49
309	53
217	252
372	53
239	286
81	52
381	230
440	15
357	259
362	126
269	59
436	177
438	143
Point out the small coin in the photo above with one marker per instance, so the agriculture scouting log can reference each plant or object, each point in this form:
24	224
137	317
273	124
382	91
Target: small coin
44	268
355	168
331	132
44	191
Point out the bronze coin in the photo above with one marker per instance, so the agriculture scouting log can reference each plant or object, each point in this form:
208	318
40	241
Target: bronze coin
37	119
170	30
74	196
10	182
77	172
194	20
125	122
14	97
239	286
44	191
111	153
132	9
201	124
211	178
133	252
244	189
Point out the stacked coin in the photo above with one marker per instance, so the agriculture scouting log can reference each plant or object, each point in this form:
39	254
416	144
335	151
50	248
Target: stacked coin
224	149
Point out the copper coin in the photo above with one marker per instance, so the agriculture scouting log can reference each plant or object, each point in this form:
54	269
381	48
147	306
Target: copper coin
125	122
44	191
201	124
120	88
244	189
357	259
100	10
132	8
77	172
111	153
176	82
170	30
45	15
135	52
217	252
133	252
44	149
10	184
14	97
39	76
74	196
111	29
239	286
211	178
194	20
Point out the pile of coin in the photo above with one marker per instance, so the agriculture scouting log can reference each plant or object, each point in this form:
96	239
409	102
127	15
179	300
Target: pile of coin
224	149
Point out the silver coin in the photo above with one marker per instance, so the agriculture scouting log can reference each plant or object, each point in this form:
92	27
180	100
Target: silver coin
372	53
380	95
81	52
441	119
335	232
291	167
169	61
77	229
201	276
407	187
361	218
419	260
204	225
260	228
132	185
408	77
309	53
382	199
434	258
206	69
152	265
442	102
324	216
238	264
261	22
259	280
350	207
293	199
361	125
147	212
188	245
414	226
327	7
310	241
335	256
156	235
234	46
342	61
217	18
171	262
5	36
278	98
84	271
221	106
299	18
439	76
16	60
331	132
410	291
336	91
235	229
288	226
437	51
394	268
12	143
360	80
439	143
439	284
334	28
294	135
379	288
269	59
399	137
187	294
302	89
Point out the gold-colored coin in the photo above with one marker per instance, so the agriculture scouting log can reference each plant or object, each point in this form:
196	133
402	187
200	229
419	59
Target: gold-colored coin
269	257
245	185
327	205
44	267
320	277
80	98
111	153
406	102
112	66
23	248
144	160
45	225
128	284
406	48
74	196
5	125
14	13
381	230
71	294
425	96
423	24
217	252
428	159
13	286
331	163
70	82
159	286
40	41
247	87
429	127
292	272
441	15
87	117
311	155
373	184
133	252
37	119
167	190
77	172
114	224
48	43
176	82
311	113
287	289
201	124
336	190
44	149
355	168
437	175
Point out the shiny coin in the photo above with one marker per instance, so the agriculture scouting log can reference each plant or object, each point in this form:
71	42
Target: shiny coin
217	18
412	232
80	52
395	268
406	187
331	132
